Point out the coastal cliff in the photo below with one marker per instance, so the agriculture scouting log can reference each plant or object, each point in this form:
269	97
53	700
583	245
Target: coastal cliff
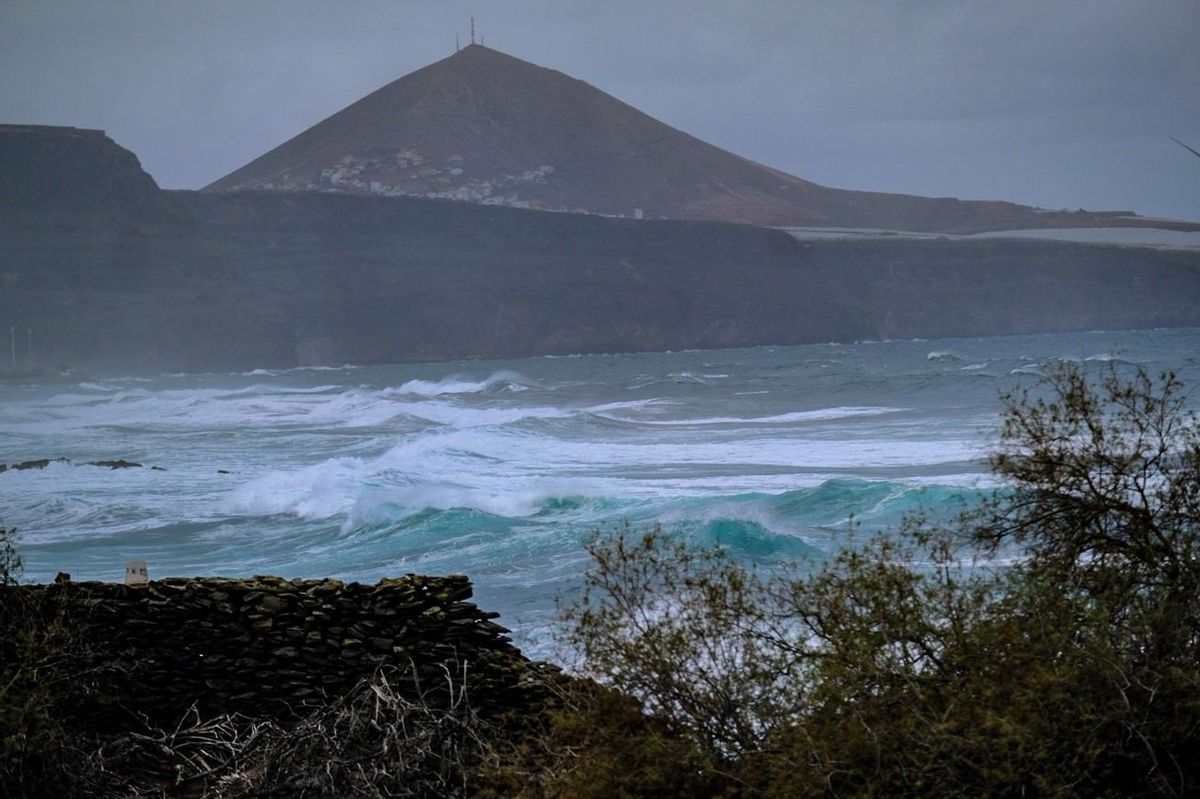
107	272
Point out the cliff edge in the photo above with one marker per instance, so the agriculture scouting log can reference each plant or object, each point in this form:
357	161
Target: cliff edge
104	272
70	169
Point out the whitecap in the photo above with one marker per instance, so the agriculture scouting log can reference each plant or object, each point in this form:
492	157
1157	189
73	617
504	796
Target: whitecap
1108	357
820	415
457	384
319	491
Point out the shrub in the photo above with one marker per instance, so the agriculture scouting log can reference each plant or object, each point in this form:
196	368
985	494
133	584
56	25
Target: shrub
380	739
39	756
599	744
1043	644
377	742
694	637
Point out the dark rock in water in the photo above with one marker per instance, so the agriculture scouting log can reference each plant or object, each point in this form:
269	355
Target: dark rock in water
223	471
40	463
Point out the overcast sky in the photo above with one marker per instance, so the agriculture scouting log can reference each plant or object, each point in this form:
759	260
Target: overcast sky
1066	103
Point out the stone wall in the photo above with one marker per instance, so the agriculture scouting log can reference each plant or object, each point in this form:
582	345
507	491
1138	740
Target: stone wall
268	648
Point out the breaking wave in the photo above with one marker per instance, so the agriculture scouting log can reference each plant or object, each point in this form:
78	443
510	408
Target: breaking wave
502	470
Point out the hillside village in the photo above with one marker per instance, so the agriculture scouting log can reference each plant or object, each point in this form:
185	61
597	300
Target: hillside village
408	172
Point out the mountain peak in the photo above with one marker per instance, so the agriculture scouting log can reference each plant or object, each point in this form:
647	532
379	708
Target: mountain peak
477	50
477	56
484	126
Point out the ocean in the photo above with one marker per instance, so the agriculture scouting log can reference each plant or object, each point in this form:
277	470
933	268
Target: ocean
502	469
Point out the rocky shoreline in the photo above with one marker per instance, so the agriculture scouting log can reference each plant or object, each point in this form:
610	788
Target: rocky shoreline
42	463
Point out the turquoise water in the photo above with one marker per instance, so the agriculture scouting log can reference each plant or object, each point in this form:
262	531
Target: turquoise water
501	469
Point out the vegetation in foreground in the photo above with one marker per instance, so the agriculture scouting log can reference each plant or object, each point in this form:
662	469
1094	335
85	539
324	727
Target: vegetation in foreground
936	664
1044	644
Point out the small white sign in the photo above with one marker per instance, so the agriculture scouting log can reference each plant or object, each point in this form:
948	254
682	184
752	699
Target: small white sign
136	573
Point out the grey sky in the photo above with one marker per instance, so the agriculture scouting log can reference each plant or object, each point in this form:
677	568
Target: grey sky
1057	104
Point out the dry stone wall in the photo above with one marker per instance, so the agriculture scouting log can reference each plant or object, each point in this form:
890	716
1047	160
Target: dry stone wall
268	647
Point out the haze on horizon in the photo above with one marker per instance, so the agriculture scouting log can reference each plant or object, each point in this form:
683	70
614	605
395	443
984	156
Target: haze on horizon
1059	107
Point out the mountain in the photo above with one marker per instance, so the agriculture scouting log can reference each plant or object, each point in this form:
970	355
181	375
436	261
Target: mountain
107	272
487	127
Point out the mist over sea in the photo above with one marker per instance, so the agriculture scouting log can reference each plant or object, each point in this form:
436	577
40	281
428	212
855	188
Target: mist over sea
500	469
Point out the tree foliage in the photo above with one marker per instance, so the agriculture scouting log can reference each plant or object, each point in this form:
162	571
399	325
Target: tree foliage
1045	643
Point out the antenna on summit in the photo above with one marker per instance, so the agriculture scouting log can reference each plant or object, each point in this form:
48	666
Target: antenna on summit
472	30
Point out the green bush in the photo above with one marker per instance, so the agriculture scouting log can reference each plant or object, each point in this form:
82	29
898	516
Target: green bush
1045	643
599	744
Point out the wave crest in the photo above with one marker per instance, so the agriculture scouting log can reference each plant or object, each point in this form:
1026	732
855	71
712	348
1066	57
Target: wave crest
457	384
